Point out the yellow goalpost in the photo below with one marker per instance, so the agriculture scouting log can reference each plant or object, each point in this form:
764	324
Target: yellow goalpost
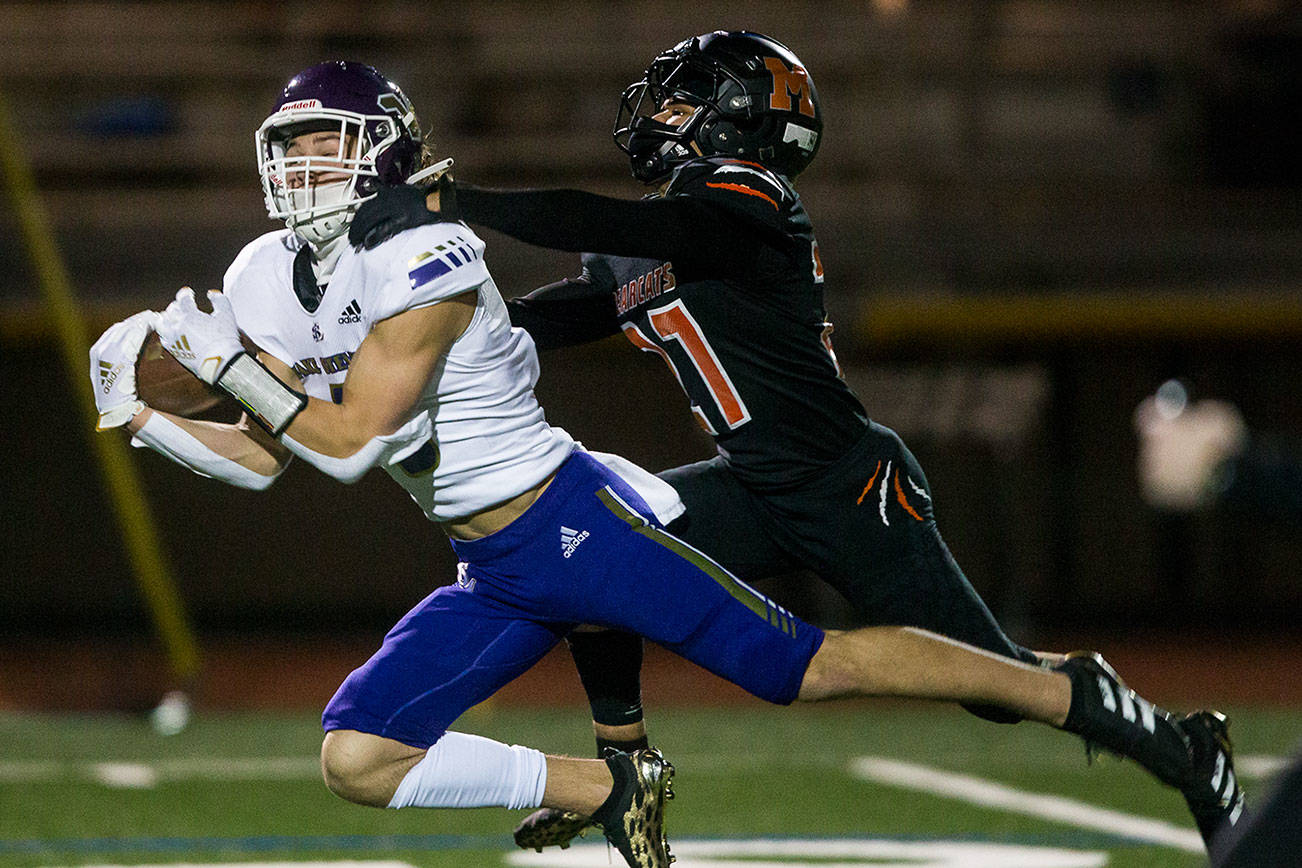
144	549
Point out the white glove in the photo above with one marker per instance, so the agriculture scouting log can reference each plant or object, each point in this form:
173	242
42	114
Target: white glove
113	369
204	343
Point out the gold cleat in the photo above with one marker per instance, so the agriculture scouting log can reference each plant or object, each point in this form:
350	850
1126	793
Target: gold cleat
637	829
551	827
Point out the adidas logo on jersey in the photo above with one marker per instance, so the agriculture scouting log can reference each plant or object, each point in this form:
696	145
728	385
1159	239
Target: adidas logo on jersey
181	348
570	540
352	313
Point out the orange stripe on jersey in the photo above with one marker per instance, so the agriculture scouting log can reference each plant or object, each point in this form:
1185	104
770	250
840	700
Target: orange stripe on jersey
738	188
867	488
899	495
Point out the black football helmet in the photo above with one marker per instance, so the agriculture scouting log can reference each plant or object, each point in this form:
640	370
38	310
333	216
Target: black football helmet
753	98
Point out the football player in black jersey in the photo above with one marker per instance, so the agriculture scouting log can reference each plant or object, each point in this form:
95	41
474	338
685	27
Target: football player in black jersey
718	272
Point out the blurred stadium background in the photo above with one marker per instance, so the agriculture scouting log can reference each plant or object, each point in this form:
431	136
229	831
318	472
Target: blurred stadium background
1031	214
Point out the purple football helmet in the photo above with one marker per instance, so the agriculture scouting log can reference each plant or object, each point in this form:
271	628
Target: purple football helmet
379	144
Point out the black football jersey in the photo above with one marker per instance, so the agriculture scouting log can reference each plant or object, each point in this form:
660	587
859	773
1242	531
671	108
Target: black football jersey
750	343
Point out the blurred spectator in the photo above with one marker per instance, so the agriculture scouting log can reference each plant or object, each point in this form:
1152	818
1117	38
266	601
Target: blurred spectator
1202	454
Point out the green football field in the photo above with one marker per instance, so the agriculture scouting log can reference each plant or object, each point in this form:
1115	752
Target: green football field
862	784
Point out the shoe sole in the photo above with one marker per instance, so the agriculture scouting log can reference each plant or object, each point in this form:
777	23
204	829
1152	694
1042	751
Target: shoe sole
558	832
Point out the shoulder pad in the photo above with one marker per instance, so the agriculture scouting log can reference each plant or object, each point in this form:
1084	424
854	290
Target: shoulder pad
266	254
731	181
597	267
424	265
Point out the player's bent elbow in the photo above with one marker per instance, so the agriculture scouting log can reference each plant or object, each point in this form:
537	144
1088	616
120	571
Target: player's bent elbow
352	458
347	471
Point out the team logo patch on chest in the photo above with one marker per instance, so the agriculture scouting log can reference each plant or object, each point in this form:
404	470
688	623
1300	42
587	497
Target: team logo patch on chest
645	287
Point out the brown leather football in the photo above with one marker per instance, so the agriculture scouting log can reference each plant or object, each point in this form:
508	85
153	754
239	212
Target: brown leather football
164	384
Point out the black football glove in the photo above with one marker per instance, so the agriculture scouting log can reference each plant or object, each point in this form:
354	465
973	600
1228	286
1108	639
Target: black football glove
396	209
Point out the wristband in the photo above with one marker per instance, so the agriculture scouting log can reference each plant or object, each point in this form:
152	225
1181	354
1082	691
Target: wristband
270	402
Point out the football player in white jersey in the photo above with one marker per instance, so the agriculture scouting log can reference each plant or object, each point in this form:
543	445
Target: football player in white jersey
403	357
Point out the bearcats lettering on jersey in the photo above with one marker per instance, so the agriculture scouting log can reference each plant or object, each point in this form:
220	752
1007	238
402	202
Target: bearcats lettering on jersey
645	287
752	349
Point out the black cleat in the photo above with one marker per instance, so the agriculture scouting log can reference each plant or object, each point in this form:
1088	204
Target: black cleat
1109	715
634	822
551	827
1213	793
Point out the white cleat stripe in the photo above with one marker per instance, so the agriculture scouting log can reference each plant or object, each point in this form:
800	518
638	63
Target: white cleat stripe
1146	713
1128	705
1109	698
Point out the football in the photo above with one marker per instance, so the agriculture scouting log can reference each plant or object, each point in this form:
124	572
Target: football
164	384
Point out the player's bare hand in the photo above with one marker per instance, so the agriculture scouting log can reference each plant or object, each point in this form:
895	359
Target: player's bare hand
113	369
205	343
1182	448
397	209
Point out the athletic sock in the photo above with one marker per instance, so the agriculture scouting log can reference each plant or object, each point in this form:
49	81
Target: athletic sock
1099	714
469	771
610	666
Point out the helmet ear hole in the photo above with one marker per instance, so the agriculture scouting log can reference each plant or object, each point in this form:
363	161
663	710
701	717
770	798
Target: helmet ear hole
723	137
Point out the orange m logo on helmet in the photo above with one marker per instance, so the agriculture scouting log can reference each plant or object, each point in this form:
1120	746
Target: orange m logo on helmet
788	83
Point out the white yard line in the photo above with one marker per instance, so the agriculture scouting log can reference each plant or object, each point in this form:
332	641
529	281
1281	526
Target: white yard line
1259	765
979	791
830	853
331	864
125	774
241	768
24	771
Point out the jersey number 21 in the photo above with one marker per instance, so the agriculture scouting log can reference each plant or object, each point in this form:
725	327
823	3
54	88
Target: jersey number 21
682	343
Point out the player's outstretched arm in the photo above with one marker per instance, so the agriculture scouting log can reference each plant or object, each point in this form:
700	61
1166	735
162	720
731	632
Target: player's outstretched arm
566	313
241	454
685	229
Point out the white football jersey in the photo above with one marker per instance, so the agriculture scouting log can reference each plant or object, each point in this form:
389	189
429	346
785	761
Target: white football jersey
478	437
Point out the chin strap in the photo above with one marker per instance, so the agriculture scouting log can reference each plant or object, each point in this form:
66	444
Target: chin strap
430	171
271	403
